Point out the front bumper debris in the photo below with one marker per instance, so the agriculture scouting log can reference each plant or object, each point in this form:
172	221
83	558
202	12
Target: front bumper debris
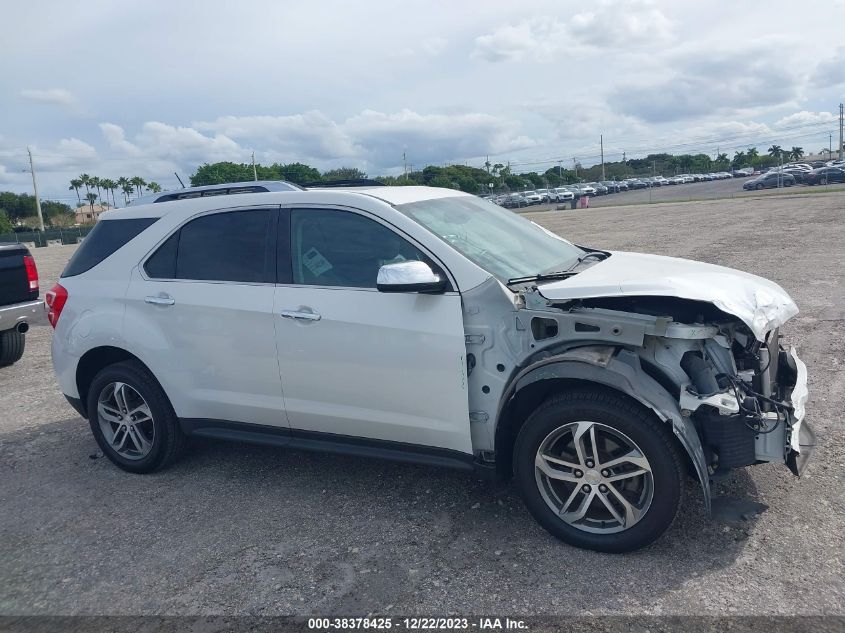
801	438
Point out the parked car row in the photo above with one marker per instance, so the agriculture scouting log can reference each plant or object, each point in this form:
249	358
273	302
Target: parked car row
816	172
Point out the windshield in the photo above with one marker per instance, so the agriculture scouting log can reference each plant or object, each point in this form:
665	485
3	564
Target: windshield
499	241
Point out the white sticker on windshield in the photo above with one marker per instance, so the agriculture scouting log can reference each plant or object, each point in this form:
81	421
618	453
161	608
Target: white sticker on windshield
315	262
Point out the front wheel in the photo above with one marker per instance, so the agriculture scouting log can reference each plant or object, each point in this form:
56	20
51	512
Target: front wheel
598	471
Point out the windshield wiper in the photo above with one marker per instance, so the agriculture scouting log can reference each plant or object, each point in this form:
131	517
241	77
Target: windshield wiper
561	274
601	254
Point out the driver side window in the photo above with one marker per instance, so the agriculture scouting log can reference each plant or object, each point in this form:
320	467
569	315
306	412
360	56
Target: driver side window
339	248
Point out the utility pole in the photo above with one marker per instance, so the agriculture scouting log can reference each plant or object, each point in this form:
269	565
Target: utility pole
575	164
830	146
254	170
560	170
35	189
840	131
405	165
601	143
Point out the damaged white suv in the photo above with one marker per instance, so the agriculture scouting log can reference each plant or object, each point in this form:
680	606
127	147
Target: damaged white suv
430	326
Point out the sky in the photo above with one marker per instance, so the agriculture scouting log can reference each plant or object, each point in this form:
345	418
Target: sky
124	88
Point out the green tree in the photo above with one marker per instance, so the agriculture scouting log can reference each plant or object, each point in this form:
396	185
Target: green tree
797	153
775	151
91	197
108	186
752	155
139	184
153	186
85	179
739	160
722	162
75	184
5	222
344	173
127	189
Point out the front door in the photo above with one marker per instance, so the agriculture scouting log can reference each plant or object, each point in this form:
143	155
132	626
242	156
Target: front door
358	362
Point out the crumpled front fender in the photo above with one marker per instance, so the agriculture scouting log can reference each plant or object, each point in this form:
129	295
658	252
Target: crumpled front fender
621	370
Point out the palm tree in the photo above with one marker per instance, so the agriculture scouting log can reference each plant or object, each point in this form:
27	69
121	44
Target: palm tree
91	197
122	183
109	185
739	160
797	153
96	183
722	160
139	183
127	189
775	151
153	186
85	179
752	154
75	184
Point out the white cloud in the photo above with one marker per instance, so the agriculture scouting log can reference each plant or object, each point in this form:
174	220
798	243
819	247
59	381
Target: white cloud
52	96
806	118
185	144
116	138
612	24
310	134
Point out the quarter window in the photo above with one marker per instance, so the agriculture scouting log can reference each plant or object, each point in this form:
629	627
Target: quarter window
229	246
340	248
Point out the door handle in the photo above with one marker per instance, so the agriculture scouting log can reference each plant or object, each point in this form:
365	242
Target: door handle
160	300
300	315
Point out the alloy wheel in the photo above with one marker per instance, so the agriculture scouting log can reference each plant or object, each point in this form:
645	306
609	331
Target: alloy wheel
594	477
125	420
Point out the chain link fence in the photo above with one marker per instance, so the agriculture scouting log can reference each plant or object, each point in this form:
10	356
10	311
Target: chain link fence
70	235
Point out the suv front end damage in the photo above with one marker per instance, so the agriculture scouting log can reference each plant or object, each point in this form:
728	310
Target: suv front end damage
704	354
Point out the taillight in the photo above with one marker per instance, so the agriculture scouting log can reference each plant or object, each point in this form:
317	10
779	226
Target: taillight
55	300
31	272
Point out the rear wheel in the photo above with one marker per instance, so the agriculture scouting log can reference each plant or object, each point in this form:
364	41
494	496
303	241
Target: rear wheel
132	419
12	344
598	471
759	186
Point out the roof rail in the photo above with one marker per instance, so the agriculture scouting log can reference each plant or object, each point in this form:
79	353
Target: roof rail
222	189
352	182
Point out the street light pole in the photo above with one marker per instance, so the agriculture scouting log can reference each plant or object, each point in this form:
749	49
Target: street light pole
35	189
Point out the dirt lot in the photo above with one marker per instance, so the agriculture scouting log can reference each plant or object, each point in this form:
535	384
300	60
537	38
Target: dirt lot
241	529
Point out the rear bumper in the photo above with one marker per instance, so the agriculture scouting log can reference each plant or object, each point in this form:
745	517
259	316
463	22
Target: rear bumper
16	313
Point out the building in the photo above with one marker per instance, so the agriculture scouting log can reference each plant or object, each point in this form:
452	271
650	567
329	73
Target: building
88	214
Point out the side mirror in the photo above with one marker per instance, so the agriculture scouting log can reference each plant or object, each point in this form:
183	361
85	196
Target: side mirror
411	276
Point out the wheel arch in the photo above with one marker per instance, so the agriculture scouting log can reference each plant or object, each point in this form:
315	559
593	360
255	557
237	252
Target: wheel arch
93	361
612	369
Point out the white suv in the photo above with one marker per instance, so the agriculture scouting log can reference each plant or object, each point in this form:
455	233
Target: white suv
430	326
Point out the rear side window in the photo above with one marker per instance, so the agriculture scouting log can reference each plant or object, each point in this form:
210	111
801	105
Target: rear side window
104	239
231	246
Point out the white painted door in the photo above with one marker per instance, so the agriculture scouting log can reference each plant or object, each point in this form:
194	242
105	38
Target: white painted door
358	362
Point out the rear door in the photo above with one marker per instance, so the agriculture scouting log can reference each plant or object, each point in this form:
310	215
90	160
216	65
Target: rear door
206	296
356	362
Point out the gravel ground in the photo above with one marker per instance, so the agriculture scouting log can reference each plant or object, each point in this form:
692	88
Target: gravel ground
236	529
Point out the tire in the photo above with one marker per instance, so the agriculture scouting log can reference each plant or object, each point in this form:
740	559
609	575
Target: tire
164	437
824	181
614	419
759	186
12	344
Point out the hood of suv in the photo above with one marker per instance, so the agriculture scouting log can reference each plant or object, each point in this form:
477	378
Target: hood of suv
759	303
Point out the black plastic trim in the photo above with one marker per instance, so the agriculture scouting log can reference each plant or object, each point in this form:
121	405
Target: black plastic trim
76	403
328	443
